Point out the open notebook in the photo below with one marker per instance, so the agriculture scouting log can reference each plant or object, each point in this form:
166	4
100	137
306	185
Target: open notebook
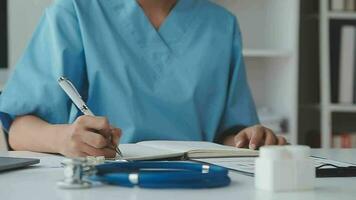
153	150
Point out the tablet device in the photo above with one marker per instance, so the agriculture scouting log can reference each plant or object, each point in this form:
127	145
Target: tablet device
9	163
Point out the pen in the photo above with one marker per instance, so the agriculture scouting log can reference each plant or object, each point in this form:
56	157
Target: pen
74	95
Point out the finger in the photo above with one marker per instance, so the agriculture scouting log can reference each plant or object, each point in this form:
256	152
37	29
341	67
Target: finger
116	133
94	140
281	140
257	136
110	152
78	154
271	139
105	133
98	124
241	140
107	152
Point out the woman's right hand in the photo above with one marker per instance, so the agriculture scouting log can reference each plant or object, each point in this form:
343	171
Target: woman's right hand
90	136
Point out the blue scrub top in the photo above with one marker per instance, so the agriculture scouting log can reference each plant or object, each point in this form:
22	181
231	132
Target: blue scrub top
184	81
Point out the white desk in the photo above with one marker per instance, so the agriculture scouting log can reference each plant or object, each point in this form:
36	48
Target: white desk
40	183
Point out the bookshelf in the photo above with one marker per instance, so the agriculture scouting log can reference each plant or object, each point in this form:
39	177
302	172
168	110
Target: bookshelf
270	30
319	113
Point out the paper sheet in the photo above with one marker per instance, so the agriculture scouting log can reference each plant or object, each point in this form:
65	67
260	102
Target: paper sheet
246	165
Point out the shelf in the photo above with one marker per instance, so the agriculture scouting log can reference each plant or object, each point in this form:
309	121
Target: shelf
332	107
342	108
267	53
343	15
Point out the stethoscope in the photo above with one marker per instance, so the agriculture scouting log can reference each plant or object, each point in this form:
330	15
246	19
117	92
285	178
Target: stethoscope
145	174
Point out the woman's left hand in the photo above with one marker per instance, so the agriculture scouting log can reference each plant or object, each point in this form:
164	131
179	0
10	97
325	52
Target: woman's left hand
255	137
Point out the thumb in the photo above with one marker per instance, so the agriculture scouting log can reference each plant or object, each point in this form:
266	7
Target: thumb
116	135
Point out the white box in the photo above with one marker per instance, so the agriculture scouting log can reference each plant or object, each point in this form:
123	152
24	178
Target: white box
287	168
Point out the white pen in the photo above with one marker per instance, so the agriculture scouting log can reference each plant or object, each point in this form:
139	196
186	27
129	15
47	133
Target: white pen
74	95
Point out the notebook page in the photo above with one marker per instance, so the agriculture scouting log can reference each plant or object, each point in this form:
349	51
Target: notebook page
141	152
184	146
196	149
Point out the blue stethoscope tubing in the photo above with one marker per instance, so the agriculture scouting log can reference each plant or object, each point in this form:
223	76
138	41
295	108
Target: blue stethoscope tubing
162	174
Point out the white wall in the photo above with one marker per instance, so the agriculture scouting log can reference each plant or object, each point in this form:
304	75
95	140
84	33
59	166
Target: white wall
23	16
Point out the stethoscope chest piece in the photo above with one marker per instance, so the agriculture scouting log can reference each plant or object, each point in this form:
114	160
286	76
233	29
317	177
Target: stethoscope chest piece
75	170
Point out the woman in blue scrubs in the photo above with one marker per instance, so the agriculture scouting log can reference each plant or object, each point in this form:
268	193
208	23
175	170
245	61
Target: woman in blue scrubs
156	69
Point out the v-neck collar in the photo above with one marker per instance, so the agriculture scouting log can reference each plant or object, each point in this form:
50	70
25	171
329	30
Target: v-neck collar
170	31
178	20
164	21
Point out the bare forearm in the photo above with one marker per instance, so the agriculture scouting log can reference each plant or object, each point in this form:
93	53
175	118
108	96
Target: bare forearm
87	136
30	133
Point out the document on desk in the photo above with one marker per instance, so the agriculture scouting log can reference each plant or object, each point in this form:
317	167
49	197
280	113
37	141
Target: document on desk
246	165
160	149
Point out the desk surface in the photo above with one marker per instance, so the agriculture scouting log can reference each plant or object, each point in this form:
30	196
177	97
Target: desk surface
40	183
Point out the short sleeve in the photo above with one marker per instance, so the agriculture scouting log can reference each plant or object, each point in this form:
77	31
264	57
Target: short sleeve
55	50
240	110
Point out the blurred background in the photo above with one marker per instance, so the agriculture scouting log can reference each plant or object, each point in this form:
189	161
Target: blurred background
299	54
